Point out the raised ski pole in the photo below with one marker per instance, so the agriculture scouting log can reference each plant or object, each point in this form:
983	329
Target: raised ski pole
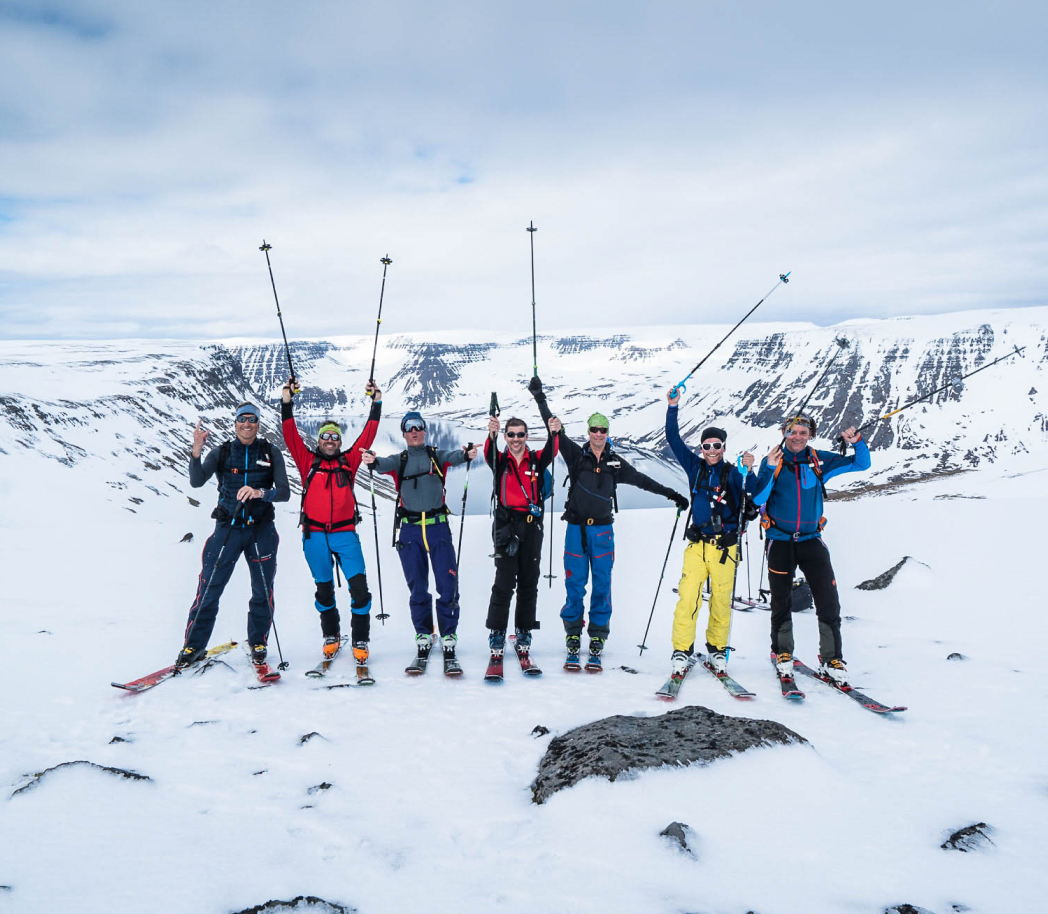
644	641
534	333
382	614
955	383
680	385
265	249
462	519
385	261
842	344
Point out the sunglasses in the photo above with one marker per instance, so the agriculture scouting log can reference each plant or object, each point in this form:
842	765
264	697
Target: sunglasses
712	446
414	427
330	436
516	434
599	429
248	419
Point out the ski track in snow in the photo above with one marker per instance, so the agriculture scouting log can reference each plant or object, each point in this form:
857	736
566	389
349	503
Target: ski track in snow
430	806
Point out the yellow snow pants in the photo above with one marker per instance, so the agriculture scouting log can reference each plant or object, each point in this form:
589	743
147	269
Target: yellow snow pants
702	561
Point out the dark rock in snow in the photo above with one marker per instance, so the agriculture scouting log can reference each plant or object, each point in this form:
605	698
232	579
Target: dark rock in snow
305	739
628	669
883	580
678	831
122	772
188	538
323	785
612	746
118	739
193	502
540	731
956	656
300	903
255	774
907	909
202	723
970	838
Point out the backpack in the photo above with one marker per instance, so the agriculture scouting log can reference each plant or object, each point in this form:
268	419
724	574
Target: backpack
399	513
533	464
344	477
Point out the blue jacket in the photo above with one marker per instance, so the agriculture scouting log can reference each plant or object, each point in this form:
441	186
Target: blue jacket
793	500
259	465
705	486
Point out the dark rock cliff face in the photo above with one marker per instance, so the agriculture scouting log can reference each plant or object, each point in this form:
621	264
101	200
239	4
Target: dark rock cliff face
432	370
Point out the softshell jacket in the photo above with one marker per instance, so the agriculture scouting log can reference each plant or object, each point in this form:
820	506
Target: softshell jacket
704	482
258	465
517	491
329	503
424	490
793	500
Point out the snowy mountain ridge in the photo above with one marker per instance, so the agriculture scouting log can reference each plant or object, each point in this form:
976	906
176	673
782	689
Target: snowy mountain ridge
132	403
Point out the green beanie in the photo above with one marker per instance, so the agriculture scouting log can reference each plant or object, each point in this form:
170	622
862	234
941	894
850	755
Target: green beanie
598	419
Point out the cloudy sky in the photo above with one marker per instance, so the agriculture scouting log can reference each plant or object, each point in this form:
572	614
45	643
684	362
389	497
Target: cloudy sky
675	156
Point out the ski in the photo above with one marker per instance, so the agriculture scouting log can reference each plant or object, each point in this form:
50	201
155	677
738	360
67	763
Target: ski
364	678
672	685
418	666
526	666
593	664
747	605
321	668
154	679
265	673
868	703
494	670
734	689
788	685
572	663
451	666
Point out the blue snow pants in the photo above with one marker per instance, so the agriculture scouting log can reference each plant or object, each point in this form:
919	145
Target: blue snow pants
221	552
415	558
592	549
343	546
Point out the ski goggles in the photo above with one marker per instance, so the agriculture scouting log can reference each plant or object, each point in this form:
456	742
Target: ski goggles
415	425
330	436
598	429
713	445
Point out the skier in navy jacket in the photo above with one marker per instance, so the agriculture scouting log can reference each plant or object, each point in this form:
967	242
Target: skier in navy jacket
790	486
251	476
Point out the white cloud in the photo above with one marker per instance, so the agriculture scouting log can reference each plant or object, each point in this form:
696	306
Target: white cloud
675	158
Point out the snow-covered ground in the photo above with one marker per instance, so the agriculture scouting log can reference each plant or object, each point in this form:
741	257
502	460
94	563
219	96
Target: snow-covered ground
429	807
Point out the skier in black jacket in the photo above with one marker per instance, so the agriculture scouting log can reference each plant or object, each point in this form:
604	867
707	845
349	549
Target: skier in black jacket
594	471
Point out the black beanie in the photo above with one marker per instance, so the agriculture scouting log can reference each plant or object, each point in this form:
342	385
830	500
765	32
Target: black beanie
713	432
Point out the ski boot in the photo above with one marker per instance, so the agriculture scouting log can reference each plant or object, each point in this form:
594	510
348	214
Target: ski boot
718	661
497	644
451	665
593	664
573	643
189	655
834	670
680	662
258	654
423	645
332	646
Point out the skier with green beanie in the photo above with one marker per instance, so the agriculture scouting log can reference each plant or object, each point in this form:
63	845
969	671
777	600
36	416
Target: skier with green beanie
594	472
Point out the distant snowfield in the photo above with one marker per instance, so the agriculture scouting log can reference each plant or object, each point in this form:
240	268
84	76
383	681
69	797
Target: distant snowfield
429	807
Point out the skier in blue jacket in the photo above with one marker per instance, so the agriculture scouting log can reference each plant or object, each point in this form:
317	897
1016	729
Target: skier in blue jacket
790	487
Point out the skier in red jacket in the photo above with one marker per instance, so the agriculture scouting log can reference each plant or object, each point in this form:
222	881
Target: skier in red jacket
329	519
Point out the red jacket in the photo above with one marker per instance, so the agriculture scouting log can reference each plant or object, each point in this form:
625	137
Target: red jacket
329	503
511	494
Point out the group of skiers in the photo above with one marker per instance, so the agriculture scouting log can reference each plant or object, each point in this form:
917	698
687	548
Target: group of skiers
788	489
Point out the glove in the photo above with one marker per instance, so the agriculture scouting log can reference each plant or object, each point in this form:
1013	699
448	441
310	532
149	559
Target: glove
535	386
680	501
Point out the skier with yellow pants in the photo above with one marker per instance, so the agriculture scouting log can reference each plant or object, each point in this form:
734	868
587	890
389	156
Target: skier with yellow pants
712	553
